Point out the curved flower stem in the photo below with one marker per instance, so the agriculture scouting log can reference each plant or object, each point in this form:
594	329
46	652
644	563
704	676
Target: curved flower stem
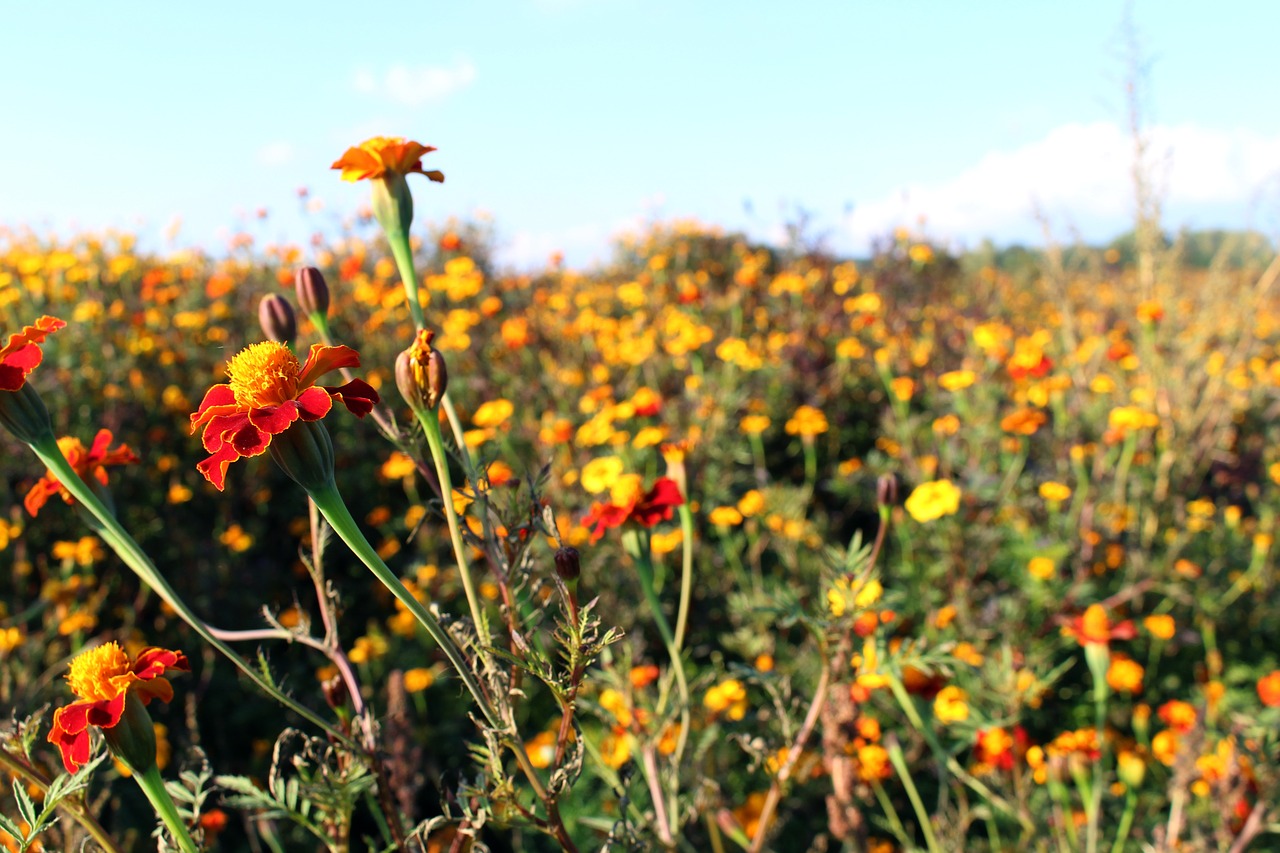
153	786
686	579
644	569
431	426
455	426
113	533
401	251
334	509
78	812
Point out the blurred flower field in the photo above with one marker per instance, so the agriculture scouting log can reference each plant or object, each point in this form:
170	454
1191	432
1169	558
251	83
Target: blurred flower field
919	552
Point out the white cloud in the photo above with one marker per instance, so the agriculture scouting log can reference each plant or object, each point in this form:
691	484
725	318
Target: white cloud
1078	171
414	87
275	154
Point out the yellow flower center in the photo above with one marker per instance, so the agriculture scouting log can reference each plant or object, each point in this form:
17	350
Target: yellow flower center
95	674
264	374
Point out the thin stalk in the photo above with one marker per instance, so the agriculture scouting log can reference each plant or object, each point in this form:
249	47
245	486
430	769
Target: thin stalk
104	523
334	509
431	426
153	786
1126	821
399	242
904	773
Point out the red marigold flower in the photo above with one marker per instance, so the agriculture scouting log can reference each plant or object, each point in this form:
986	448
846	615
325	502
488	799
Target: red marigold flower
1093	627
268	390
88	464
376	157
22	354
646	510
1269	689
103	677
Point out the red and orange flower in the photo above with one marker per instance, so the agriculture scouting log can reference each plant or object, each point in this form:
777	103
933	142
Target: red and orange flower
91	463
267	391
1093	627
646	509
103	677
22	354
376	157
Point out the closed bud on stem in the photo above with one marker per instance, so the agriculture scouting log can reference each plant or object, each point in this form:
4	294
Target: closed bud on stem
421	374
886	490
335	692
313	293
276	317
568	563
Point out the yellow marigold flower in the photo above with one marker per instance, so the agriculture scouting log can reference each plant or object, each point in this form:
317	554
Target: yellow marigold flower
944	617
235	538
665	543
728	699
807	422
946	425
1127	418
843	593
957	380
1042	568
968	653
10	639
873	763
951	705
398	466
492	413
601	473
930	501
418	679
1164	746
725	516
615	749
903	387
1054	491
616	704
1160	626
752	503
1125	675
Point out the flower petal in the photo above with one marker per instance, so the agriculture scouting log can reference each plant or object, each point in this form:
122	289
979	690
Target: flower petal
154	662
323	359
357	395
214	468
274	420
314	403
218	400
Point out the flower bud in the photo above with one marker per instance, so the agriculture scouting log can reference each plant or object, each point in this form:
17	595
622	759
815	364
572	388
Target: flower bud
335	692
1130	768
313	293
887	490
275	315
305	452
421	374
23	413
568	563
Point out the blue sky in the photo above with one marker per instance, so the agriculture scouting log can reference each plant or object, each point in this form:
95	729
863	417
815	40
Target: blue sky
568	121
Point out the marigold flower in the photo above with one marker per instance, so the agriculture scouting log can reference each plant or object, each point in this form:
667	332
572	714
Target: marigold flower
89	464
645	509
1054	491
267	392
1125	675
1269	689
807	422
929	501
1094	627
22	354
1178	715
728	698
1023	421
382	155
951	705
103	677
1160	625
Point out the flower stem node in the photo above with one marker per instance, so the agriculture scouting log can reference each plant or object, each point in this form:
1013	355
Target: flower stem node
276	317
305	452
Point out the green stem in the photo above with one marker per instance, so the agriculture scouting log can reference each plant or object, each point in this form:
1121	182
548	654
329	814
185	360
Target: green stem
334	509
686	578
904	773
431	426
153	786
400	250
1126	821
105	525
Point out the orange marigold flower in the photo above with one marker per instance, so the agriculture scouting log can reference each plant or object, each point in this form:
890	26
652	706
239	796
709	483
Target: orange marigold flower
646	510
22	354
103	677
1094	627
1178	715
1269	689
268	390
89	464
376	157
